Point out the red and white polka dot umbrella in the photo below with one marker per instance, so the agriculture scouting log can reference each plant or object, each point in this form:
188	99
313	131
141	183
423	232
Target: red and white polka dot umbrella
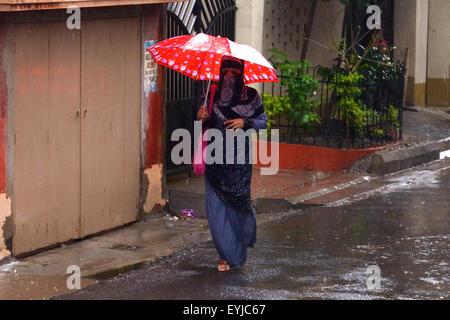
199	57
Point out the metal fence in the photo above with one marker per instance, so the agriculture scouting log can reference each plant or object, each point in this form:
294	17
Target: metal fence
379	106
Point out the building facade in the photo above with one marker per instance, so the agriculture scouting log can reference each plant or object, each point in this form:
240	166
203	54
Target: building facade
421	26
81	147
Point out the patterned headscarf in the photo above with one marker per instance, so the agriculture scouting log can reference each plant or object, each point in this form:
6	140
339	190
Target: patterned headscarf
230	89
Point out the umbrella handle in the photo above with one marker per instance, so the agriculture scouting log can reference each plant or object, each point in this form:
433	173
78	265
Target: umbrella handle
207	91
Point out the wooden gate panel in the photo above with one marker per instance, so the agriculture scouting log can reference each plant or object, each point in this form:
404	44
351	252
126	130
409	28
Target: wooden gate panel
46	202
110	147
132	117
64	133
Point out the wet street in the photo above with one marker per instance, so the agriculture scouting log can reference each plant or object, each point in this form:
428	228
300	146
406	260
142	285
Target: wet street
322	253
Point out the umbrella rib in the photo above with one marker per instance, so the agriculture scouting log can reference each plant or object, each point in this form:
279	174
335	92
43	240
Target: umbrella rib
210	73
203	60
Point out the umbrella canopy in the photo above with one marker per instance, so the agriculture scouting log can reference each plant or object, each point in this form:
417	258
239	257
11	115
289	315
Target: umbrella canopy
199	57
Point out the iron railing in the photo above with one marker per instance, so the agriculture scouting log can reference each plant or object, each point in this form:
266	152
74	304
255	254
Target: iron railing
213	17
381	105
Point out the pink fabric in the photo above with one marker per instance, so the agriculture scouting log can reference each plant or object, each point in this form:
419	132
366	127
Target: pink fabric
199	164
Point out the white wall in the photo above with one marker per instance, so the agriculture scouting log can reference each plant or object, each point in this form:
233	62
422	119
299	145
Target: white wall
327	27
285	22
405	31
249	25
421	41
439	40
411	31
249	22
438	68
281	23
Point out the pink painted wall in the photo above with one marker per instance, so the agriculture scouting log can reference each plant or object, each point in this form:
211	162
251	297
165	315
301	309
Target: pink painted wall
3	109
152	30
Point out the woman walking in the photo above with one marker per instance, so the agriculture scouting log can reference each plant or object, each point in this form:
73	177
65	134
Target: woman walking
227	186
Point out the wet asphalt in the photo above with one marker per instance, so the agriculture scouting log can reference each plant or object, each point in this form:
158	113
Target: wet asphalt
322	253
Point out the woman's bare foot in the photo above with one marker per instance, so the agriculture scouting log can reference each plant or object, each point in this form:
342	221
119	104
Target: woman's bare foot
223	266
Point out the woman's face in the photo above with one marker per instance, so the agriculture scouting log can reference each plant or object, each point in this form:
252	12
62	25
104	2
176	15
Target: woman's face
230	71
229	83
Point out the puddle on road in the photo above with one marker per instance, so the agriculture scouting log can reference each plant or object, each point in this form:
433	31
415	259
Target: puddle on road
13	287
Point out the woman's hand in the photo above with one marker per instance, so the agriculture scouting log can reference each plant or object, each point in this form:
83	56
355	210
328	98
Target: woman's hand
234	124
202	114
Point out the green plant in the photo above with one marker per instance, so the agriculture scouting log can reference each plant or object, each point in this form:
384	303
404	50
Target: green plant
378	65
378	133
352	111
391	118
274	106
301	89
372	65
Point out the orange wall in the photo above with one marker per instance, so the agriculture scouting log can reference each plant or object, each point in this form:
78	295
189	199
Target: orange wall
301	157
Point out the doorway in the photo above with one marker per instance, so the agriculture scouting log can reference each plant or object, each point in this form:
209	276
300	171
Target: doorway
77	130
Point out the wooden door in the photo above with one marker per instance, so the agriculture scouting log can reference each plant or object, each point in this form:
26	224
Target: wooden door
77	130
46	146
110	133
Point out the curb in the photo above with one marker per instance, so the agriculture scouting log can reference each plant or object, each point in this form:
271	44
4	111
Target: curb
271	205
398	160
444	144
440	114
393	183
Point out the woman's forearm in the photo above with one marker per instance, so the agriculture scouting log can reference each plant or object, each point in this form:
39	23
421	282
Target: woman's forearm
260	122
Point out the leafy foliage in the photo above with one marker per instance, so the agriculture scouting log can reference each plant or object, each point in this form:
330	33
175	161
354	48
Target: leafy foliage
357	73
274	106
378	65
353	111
301	90
356	84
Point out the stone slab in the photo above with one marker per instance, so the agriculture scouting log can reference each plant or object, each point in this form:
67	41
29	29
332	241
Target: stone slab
398	160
